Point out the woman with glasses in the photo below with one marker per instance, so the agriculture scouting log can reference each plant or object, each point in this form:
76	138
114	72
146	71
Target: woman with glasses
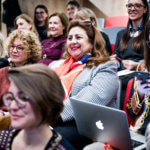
53	47
41	21
129	42
34	101
23	48
138	105
87	15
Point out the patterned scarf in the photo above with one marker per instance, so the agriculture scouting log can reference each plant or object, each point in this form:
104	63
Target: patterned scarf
69	70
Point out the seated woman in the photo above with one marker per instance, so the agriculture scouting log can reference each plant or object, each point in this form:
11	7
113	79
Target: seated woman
138	105
86	74
129	41
23	48
53	47
24	21
41	21
129	50
34	101
87	15
3	58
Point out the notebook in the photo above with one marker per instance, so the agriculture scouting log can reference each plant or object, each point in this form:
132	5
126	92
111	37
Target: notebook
105	124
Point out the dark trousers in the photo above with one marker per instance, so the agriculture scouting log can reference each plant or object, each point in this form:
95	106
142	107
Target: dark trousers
124	81
70	132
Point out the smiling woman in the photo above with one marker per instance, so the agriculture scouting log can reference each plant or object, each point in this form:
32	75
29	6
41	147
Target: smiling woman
32	113
53	47
86	74
23	48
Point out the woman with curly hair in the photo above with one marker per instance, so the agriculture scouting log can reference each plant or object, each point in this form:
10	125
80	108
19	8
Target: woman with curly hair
23	48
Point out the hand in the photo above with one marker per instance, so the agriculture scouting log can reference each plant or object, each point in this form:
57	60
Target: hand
143	88
129	64
113	58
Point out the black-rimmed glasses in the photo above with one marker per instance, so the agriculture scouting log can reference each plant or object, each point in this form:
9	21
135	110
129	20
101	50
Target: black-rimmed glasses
20	100
136	6
18	47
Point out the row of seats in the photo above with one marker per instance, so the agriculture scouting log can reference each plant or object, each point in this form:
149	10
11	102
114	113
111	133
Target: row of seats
113	21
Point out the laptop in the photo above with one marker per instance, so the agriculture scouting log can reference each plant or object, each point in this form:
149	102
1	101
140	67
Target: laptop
106	125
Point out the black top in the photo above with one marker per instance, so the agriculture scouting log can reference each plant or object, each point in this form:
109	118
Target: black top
129	53
56	142
42	32
4	62
108	45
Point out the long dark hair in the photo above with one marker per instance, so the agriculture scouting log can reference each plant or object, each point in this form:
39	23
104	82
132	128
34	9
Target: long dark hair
46	10
137	41
146	48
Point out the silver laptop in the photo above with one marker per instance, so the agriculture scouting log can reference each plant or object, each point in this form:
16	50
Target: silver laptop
105	124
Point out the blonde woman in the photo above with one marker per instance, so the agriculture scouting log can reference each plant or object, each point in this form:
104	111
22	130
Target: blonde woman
24	21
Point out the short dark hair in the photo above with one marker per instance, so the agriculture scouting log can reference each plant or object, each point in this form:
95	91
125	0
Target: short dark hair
43	87
73	2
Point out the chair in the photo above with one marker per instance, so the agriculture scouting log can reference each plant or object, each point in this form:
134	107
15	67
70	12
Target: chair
112	34
116	21
101	22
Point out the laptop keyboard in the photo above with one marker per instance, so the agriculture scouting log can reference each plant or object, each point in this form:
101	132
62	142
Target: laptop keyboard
135	143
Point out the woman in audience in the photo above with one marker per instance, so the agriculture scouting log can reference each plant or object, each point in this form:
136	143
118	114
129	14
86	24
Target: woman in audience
129	42
86	74
53	47
3	58
34	101
23	48
138	105
87	15
24	21
72	7
41	21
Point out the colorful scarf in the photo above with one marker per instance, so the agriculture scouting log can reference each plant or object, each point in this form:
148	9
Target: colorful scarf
69	70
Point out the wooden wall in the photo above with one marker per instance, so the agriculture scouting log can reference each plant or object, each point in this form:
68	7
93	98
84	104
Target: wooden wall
102	8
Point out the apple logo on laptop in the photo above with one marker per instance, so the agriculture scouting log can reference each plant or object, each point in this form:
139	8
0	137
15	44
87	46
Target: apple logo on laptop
99	125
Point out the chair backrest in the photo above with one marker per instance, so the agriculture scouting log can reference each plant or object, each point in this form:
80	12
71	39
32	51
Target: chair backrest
116	21
101	22
112	34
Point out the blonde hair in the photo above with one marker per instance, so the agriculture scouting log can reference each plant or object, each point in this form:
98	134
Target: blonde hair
28	19
85	13
29	40
2	50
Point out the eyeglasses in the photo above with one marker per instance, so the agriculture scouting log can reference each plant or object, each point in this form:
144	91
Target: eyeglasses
18	47
20	100
41	13
136	6
148	43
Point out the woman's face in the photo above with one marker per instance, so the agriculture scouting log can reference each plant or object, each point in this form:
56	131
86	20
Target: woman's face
25	117
23	24
71	9
78	43
55	26
136	10
40	15
18	53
